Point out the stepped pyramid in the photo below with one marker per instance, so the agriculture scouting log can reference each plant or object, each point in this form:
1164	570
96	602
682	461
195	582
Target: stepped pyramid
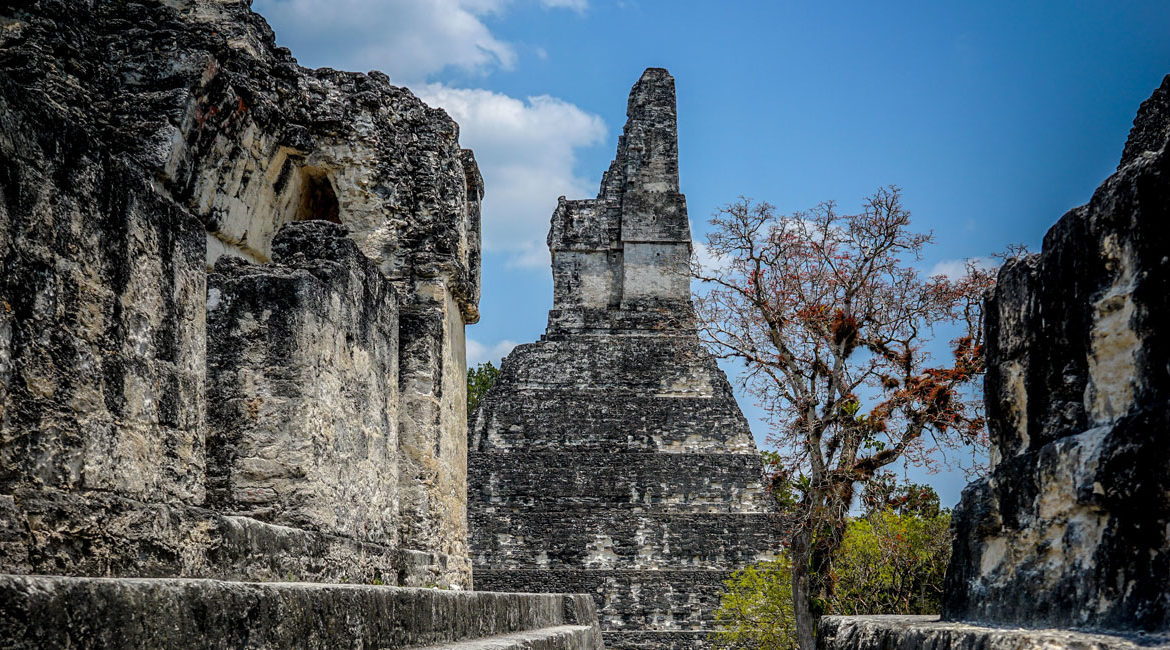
611	457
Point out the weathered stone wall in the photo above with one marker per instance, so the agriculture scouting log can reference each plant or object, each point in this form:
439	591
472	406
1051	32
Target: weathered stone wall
101	320
303	401
610	458
432	453
143	142
1071	529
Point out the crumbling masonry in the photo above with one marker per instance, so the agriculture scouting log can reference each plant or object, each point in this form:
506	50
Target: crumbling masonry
232	304
611	458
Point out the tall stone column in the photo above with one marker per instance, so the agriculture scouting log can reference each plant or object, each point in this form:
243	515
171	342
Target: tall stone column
611	457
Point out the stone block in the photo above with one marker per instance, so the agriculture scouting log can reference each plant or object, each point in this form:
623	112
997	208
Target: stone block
898	632
303	409
101	324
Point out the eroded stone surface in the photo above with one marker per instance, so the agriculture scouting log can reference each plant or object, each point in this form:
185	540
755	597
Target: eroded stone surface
611	458
1072	528
101	534
303	402
144	142
904	632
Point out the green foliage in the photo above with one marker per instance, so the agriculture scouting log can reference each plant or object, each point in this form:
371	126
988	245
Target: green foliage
755	611
891	563
888	563
479	380
782	487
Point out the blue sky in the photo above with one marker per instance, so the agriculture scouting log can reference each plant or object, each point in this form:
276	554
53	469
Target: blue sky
994	117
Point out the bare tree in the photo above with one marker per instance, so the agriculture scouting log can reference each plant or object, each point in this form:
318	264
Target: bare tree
832	321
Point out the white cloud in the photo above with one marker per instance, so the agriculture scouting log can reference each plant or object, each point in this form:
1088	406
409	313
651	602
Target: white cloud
575	5
956	268
526	148
410	40
709	261
526	151
477	352
407	39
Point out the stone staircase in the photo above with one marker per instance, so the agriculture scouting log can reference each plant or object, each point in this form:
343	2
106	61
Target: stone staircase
69	612
561	637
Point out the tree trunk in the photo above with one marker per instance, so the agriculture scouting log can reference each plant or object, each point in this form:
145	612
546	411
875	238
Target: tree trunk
821	583
801	606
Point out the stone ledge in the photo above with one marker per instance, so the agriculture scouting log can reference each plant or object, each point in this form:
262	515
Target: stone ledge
639	481
53	611
562	637
621	540
42	532
657	639
660	600
904	632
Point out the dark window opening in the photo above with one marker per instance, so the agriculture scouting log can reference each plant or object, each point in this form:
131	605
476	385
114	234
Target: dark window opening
318	200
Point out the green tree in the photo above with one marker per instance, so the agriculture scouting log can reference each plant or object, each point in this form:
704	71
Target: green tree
891	563
887	563
756	609
479	380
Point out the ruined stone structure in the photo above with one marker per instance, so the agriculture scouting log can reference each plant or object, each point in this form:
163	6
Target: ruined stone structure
232	304
611	458
1072	527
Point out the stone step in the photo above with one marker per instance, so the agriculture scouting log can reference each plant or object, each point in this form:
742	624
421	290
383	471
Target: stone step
556	481
604	363
57	612
617	539
604	422
42	529
657	639
896	632
562	637
656	600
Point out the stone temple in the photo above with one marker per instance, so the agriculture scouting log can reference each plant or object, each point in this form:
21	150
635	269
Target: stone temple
611	458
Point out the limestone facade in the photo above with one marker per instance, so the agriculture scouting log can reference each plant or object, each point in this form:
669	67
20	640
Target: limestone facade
161	351
1072	527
